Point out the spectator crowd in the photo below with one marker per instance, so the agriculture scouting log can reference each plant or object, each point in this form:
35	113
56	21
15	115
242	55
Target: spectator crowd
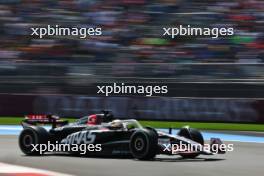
131	34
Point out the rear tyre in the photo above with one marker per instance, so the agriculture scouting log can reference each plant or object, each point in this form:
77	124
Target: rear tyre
29	137
194	135
143	144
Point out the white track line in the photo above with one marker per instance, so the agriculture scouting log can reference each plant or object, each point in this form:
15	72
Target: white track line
14	169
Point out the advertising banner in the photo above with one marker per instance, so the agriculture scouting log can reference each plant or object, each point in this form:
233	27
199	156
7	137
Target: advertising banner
149	108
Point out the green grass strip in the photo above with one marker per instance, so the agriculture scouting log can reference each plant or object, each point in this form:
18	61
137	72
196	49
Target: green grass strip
206	126
162	124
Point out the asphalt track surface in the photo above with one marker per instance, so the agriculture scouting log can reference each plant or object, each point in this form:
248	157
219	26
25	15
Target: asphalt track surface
245	160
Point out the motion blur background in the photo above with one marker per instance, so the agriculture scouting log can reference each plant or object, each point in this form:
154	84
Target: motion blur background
132	49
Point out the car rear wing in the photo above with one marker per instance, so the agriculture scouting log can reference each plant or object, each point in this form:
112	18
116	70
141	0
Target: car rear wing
44	119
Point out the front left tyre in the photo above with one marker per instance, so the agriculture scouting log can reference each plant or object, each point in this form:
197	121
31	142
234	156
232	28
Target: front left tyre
193	134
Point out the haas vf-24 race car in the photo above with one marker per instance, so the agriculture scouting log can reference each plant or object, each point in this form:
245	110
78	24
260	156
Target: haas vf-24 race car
118	138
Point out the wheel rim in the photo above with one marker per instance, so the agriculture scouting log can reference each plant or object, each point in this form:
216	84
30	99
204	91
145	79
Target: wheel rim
27	140
139	144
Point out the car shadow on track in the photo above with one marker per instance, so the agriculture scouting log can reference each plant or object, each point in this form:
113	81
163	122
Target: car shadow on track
157	159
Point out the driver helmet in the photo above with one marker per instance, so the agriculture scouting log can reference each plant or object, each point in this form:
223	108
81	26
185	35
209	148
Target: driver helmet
94	120
116	124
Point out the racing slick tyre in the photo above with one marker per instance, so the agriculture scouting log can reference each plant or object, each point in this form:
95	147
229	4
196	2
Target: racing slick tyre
194	135
143	144
32	136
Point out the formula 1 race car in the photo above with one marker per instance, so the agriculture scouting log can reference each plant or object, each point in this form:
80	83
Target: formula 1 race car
122	138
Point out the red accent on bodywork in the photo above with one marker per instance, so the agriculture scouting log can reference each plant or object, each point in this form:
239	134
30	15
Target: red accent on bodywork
94	120
35	117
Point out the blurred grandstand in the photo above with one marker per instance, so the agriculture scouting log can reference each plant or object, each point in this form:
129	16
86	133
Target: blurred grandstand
131	47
